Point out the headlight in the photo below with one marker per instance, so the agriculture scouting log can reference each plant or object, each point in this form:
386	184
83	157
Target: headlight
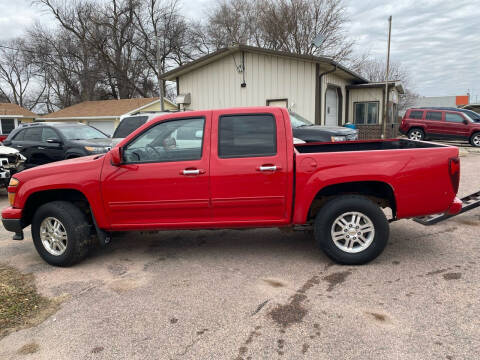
338	138
97	149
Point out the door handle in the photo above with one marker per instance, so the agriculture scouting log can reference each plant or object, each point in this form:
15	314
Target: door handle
192	172
19	146
41	148
268	168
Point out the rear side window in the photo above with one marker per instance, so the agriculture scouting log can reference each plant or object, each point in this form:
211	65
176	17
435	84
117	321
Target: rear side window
49	133
456	118
247	136
415	114
129	125
433	115
33	134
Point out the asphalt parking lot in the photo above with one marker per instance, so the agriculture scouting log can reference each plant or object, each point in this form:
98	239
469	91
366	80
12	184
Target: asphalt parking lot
261	294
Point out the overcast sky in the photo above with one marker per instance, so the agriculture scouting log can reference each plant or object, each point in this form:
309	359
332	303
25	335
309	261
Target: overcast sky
437	41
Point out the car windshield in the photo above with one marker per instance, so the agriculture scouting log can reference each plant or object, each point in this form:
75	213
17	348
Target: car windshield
129	125
81	132
298	121
473	115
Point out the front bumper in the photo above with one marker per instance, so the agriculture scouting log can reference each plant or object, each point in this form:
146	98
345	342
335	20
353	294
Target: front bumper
13	225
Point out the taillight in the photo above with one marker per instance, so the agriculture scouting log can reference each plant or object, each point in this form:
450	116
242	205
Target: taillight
454	169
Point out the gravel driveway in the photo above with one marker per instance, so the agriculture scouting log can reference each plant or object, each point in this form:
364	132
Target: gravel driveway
260	294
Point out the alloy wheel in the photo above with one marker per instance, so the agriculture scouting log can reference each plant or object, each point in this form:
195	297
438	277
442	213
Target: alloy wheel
353	232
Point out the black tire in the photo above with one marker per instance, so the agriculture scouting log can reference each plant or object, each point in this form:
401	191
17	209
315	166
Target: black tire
416	133
344	204
475	139
76	226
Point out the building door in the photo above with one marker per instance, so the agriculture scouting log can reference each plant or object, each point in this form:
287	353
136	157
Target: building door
331	108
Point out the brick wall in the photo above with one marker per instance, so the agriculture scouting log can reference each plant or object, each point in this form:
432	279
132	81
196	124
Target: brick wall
366	132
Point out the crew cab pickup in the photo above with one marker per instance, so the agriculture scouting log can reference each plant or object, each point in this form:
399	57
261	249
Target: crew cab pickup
233	168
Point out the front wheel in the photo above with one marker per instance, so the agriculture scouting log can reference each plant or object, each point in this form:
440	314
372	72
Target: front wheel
475	139
416	134
351	230
61	233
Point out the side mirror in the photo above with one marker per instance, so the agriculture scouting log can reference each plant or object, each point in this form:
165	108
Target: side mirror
54	141
116	156
465	121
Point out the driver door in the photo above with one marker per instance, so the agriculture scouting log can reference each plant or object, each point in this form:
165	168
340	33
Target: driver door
164	178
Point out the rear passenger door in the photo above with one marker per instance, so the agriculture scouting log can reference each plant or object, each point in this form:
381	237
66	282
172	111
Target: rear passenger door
249	175
435	123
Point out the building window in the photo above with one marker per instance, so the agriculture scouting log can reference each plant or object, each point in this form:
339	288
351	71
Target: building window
366	113
7	125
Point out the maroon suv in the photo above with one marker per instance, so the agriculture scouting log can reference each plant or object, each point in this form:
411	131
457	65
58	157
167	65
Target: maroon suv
420	124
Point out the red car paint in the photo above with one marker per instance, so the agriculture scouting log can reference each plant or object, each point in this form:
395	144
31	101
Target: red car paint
231	192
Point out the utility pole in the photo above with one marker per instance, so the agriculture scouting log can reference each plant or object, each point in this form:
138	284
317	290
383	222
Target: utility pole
385	105
160	80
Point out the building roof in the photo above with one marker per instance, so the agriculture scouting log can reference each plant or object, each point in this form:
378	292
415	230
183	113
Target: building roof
207	59
15	110
102	108
380	84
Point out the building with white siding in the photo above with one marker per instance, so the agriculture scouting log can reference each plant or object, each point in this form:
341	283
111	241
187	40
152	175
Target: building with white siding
317	88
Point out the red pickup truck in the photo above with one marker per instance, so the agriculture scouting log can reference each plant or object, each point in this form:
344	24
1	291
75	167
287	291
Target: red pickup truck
233	168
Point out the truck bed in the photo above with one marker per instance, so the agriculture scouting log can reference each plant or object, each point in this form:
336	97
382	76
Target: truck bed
394	144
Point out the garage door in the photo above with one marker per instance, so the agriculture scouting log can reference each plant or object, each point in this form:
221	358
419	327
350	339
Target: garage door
105	126
331	110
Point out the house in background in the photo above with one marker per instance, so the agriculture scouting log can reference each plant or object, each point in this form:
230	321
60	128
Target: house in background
11	115
317	88
105	114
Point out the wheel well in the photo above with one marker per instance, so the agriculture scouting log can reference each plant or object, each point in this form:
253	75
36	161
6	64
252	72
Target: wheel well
37	199
379	192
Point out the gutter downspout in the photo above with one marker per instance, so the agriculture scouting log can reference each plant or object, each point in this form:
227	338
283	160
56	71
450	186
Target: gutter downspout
320	80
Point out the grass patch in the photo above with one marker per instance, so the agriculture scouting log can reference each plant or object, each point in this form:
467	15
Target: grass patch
20	304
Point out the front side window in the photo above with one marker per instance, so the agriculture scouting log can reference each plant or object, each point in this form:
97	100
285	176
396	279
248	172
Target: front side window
247	136
456	118
7	126
433	115
178	140
366	113
49	133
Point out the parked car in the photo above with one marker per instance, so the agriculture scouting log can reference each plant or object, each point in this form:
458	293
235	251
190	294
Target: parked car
433	123
303	129
238	168
472	114
44	142
11	162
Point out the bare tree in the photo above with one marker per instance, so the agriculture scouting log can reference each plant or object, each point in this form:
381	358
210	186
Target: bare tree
17	75
285	25
375	70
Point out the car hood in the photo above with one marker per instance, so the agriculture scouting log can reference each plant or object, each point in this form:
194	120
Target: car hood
92	142
6	150
115	141
322	133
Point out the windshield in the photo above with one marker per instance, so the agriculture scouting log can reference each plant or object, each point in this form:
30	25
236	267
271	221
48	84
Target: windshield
129	125
298	121
473	115
82	132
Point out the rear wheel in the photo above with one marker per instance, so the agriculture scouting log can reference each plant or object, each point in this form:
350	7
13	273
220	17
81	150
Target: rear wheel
61	233
475	139
351	230
416	134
